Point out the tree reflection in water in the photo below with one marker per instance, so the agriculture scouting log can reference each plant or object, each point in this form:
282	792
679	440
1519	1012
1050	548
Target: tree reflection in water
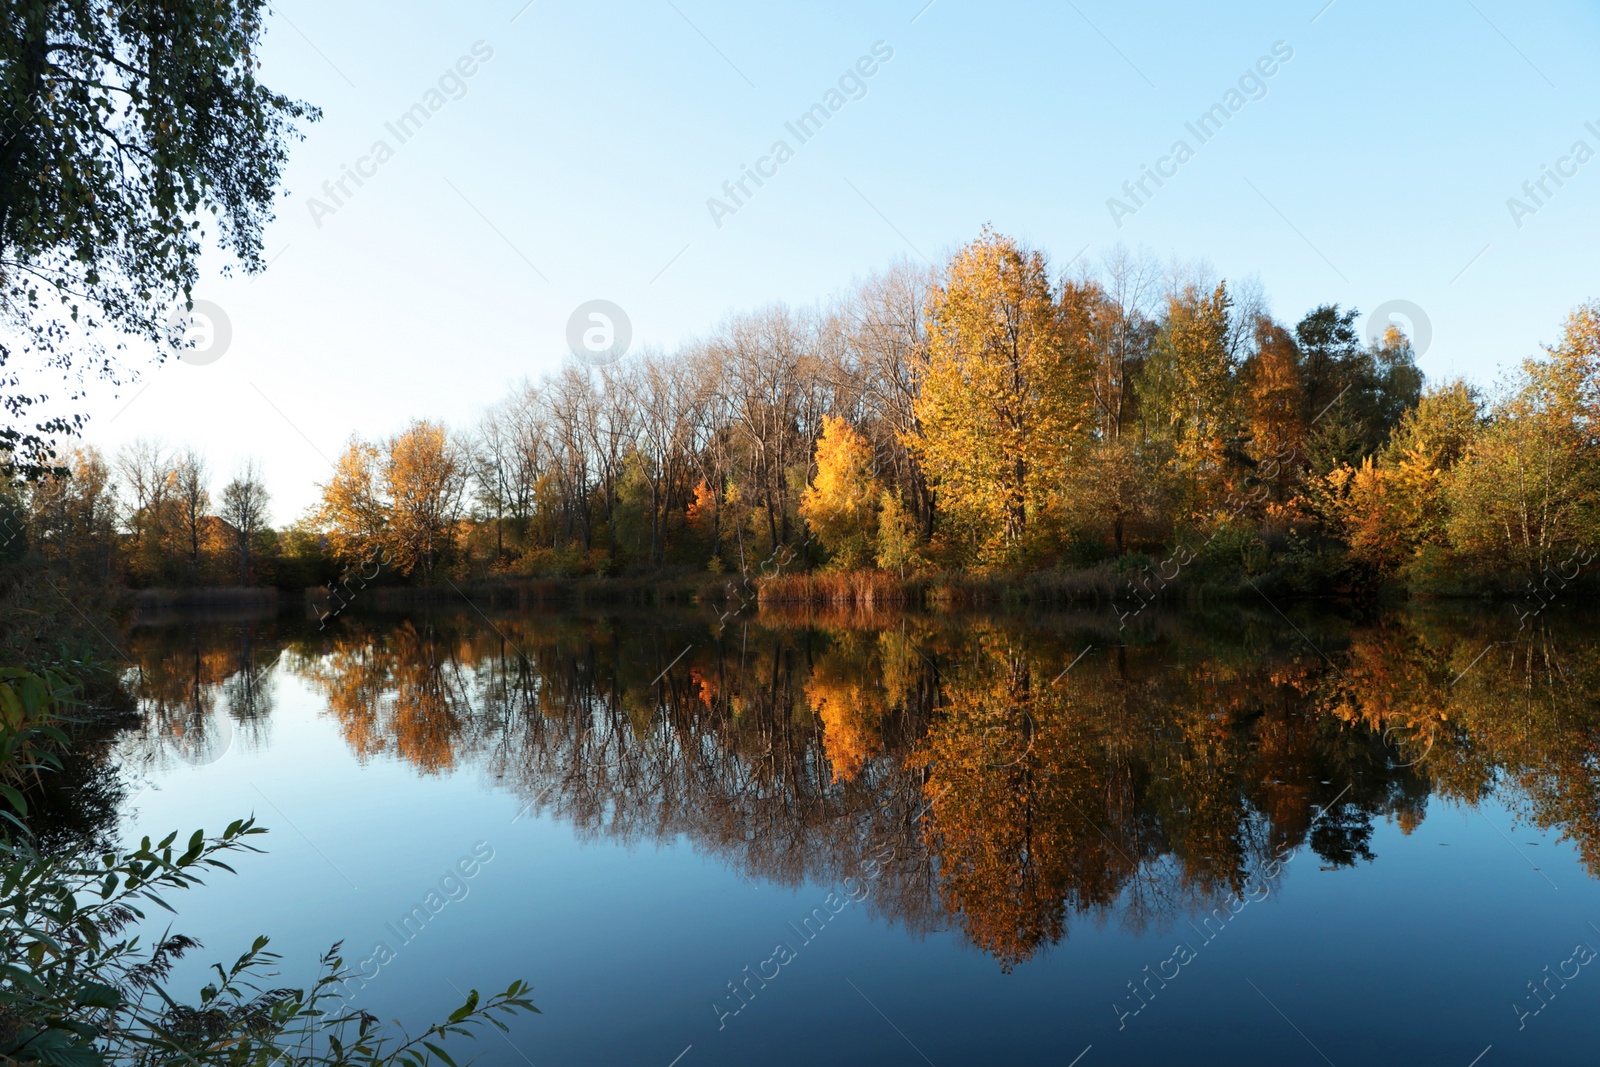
998	792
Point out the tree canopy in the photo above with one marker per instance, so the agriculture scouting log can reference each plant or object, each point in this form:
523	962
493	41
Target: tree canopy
129	134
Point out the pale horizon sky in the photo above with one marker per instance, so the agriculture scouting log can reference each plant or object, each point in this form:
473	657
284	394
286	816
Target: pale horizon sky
575	162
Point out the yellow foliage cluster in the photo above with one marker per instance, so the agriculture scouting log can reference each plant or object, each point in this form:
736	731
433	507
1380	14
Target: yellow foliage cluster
1004	399
841	502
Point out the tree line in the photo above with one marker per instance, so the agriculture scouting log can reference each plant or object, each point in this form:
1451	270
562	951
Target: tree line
989	417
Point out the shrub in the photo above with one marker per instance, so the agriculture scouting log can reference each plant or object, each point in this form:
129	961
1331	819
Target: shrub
77	991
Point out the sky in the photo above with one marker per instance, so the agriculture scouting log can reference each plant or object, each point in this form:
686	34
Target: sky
1372	167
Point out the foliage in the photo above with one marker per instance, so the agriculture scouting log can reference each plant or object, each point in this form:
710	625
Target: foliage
423	478
30	737
1189	401
351	511
398	502
77	990
896	536
1526	489
121	129
1004	401
1019	424
841	502
1353	394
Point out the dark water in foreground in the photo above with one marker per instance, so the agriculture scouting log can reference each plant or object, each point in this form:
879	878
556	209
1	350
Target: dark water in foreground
1239	837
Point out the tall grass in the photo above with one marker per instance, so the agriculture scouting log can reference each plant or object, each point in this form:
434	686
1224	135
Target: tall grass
1093	585
840	588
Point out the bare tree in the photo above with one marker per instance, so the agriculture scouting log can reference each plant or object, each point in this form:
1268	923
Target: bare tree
884	319
191	481
762	358
667	406
499	476
608	434
569	405
244	507
145	471
1123	327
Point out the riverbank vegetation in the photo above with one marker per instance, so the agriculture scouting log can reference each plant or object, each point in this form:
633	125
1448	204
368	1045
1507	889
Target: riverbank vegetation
985	424
79	986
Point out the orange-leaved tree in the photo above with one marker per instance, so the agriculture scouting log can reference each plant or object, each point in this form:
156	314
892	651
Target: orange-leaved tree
398	504
425	478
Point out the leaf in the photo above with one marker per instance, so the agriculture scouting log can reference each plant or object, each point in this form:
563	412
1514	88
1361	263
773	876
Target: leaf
466	1009
439	1052
57	1049
97	995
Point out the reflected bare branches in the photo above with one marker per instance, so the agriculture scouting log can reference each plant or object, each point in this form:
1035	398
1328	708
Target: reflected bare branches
952	760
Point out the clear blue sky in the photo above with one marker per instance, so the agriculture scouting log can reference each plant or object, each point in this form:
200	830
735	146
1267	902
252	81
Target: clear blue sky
1375	165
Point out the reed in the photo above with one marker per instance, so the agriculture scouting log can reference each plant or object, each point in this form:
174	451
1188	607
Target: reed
841	588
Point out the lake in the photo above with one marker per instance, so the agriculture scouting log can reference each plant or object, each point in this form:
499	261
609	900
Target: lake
1320	835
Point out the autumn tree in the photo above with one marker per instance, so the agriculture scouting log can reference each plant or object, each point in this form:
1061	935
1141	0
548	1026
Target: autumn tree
1391	504
1112	488
897	534
1526	489
1440	429
1274	405
350	511
1189	401
424	478
1109	488
72	515
1004	401
841	503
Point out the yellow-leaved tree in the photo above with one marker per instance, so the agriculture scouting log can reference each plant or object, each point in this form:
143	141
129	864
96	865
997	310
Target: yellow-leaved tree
1527	492
897	534
351	515
1189	400
841	502
1391	505
396	505
1004	394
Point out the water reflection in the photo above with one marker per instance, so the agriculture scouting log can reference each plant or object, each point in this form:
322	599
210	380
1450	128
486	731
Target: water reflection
1007	778
200	689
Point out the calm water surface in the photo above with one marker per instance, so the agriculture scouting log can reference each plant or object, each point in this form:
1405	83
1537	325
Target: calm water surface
1230	838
